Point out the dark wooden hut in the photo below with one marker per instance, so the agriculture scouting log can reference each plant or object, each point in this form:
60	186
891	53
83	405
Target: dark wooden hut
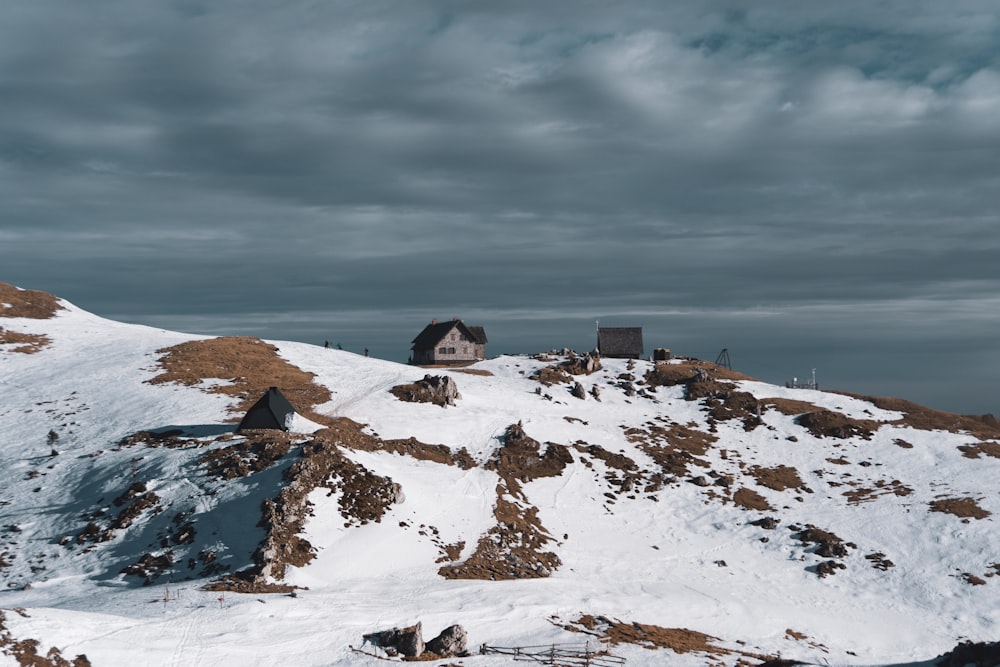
619	342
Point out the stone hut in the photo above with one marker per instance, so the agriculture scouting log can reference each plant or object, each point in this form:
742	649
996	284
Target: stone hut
450	342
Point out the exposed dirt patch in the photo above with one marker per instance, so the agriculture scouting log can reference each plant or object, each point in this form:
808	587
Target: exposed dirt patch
749	499
827	424
515	547
249	365
473	371
259	451
673	446
351	435
881	488
879	561
980	448
27	343
520	459
32	304
689	370
788	406
985	427
678	640
966	508
28	652
972	579
365	497
778	478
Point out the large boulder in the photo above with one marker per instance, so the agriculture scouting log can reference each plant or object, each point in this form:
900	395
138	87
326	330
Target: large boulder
437	389
451	643
404	641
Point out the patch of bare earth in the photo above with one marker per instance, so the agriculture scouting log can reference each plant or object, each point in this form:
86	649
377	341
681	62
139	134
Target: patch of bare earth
364	498
690	370
778	478
27	343
881	488
965	508
31	304
750	500
788	406
671	445
922	418
515	548
249	365
827	424
976	450
28	652
351	435
678	640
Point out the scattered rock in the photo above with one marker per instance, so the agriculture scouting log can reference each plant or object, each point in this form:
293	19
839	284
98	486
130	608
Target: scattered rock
404	641
451	643
437	389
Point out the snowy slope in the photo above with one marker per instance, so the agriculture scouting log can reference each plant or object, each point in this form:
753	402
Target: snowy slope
661	548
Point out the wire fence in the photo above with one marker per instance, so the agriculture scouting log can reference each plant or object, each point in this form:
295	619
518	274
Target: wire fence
568	655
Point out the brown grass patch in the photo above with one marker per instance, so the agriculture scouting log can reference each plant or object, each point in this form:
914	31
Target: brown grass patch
778	478
473	371
350	434
974	451
749	499
965	508
922	418
788	406
827	424
250	366
689	370
29	343
31	304
678	640
674	446
882	488
514	548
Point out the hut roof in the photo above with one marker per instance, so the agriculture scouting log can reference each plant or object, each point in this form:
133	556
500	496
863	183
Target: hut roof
619	341
435	331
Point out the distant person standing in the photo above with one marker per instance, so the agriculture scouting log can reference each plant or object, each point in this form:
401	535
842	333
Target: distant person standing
326	343
366	351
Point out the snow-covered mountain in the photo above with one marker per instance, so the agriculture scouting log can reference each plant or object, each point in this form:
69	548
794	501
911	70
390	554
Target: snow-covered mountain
675	513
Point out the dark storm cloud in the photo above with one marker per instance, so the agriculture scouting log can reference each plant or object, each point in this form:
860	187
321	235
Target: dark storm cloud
812	185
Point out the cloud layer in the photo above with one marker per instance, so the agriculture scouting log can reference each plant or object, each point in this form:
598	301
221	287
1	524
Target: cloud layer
809	186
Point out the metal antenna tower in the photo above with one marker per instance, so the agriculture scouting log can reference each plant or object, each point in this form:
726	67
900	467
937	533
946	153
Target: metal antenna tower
723	359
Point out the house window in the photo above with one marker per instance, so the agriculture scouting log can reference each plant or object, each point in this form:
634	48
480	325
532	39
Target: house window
451	350
442	350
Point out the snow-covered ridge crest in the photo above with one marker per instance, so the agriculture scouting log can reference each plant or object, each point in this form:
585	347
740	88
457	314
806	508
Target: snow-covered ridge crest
681	514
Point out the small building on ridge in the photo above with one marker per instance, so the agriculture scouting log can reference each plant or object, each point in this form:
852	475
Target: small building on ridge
619	342
450	342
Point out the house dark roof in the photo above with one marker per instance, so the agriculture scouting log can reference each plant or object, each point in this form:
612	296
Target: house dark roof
619	341
271	411
435	331
478	334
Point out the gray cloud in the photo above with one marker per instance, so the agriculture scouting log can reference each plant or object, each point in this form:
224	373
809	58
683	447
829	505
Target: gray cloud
810	185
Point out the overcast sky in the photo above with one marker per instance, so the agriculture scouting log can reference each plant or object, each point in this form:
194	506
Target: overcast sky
810	185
